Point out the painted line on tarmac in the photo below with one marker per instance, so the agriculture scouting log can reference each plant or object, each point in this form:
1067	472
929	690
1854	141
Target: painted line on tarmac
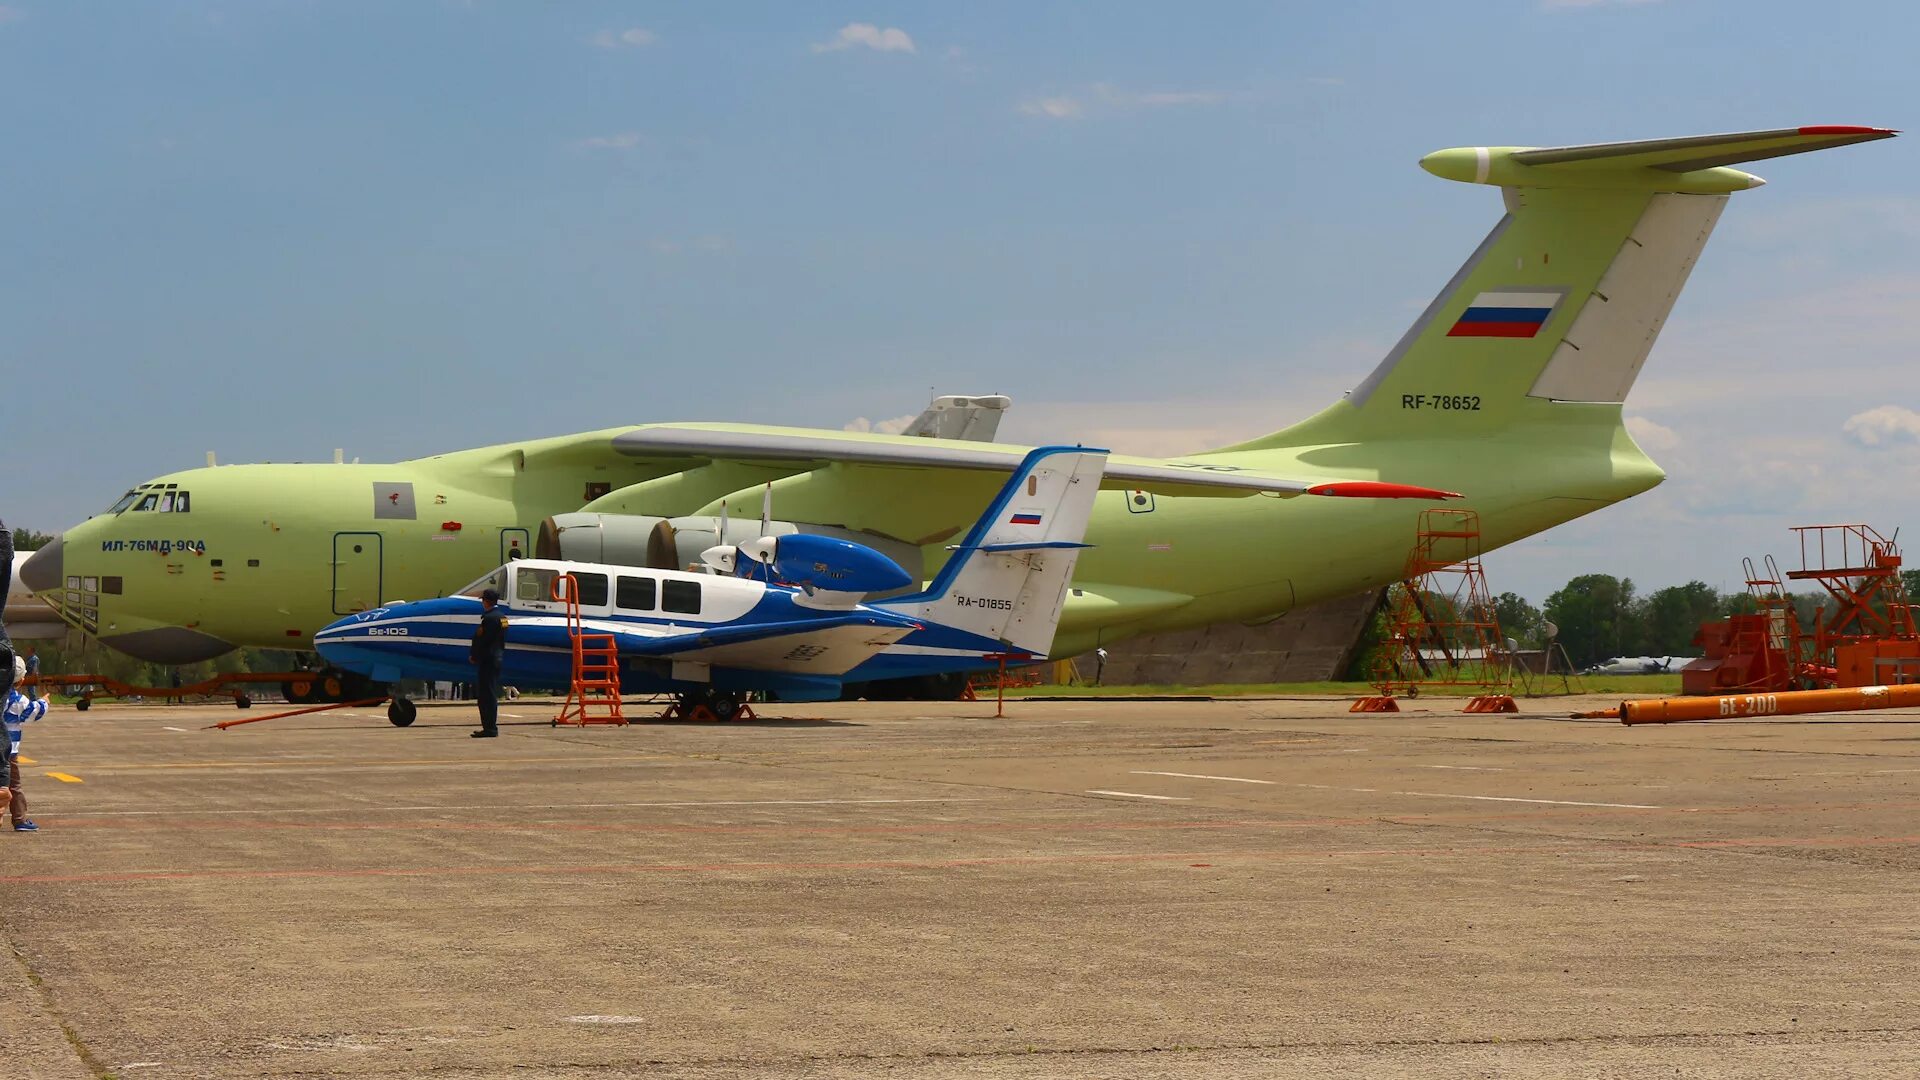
1547	802
541	806
1479	798
25	760
162	729
1471	851
1201	776
1137	795
1464	768
66	778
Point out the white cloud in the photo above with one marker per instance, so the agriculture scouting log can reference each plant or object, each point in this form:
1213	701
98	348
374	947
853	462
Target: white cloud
625	140
633	37
867	35
880	427
1153	99
1109	96
1060	108
1885	425
1650	435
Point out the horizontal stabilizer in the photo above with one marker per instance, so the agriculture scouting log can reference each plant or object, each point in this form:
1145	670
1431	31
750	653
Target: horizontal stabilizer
1703	151
1694	164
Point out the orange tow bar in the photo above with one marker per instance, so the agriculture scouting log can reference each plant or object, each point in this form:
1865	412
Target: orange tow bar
225	724
1741	706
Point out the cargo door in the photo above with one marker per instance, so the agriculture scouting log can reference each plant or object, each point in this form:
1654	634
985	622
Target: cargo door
356	572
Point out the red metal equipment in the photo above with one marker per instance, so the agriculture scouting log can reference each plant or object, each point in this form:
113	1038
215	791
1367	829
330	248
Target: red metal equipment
1444	632
1756	652
594	696
1868	639
1860	570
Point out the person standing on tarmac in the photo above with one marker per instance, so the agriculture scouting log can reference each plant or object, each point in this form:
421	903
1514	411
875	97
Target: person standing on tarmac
6	584
489	649
19	709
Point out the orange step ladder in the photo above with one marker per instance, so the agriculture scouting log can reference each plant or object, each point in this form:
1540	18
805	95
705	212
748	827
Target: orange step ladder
594	697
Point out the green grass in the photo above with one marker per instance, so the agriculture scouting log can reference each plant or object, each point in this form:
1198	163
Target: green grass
1591	684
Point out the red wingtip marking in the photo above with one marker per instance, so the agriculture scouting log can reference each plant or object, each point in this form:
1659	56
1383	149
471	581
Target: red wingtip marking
1378	489
1846	129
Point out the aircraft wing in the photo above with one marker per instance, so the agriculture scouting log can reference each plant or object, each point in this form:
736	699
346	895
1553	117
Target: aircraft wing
829	645
806	449
914	489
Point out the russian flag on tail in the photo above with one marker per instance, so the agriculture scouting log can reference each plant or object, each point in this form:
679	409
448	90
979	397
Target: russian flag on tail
1509	313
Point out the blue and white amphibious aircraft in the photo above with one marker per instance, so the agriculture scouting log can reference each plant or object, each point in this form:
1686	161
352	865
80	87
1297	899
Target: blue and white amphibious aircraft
787	615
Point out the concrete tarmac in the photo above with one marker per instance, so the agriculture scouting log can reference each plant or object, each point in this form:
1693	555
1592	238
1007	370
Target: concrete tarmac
1265	888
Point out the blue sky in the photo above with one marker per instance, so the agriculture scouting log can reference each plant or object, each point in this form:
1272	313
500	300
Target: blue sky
274	228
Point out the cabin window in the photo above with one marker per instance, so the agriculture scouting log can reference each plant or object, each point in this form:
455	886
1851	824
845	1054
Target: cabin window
680	596
592	589
635	593
596	489
533	585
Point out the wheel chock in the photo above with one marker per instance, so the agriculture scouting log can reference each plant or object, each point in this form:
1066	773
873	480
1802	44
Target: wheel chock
1379	703
1492	703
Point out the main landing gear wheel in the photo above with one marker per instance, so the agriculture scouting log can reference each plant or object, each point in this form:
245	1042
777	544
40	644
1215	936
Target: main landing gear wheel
300	690
724	705
401	712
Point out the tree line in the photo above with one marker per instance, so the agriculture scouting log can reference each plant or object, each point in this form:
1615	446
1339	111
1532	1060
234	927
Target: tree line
1599	616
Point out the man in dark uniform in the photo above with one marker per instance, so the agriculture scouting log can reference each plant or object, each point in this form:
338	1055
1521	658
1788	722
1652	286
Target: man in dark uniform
489	648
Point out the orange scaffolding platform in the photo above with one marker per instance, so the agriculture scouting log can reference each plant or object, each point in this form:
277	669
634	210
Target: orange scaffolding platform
1444	632
594	695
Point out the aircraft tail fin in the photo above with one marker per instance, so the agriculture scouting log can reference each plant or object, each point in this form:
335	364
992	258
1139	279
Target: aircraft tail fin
1562	301
1008	579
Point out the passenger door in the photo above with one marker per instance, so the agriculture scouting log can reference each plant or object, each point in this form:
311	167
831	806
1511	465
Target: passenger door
356	572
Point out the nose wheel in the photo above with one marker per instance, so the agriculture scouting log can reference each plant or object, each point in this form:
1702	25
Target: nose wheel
401	712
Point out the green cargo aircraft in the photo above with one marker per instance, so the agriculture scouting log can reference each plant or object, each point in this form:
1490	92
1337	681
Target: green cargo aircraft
1508	388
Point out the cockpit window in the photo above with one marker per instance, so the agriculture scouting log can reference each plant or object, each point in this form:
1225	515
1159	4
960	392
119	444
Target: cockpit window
497	581
147	502
125	501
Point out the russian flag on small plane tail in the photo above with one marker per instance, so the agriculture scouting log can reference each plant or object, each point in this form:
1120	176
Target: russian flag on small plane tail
1026	517
1508	314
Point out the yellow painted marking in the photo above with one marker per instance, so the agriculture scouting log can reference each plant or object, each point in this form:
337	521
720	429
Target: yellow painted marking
25	760
66	778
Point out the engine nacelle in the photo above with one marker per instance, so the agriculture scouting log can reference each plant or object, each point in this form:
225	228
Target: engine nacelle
678	543
617	539
827	563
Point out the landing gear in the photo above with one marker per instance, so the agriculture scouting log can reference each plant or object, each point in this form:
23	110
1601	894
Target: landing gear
300	690
401	712
709	706
328	686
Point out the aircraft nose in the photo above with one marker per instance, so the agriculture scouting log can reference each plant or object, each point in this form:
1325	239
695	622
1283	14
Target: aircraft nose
42	570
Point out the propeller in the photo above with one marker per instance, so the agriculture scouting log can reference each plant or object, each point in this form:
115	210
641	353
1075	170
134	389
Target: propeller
725	557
